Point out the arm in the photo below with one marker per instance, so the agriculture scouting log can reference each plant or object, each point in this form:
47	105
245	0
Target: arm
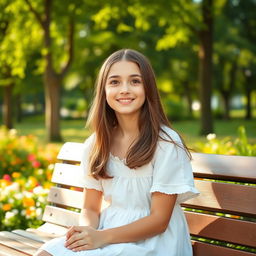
161	210
90	212
154	224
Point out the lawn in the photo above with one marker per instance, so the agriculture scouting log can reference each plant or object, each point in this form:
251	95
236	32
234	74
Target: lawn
74	130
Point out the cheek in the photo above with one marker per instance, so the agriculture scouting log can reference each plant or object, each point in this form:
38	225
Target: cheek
109	95
142	95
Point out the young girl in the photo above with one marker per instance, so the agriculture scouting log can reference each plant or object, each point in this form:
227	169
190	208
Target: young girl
138	163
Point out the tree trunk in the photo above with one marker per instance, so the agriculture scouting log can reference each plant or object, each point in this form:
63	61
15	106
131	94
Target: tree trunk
18	108
248	104
205	67
226	100
52	85
189	98
8	106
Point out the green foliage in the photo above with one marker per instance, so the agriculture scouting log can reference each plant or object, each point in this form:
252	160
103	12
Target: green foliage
174	108
227	146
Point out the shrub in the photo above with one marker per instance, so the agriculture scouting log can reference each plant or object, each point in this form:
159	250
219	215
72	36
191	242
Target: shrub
227	146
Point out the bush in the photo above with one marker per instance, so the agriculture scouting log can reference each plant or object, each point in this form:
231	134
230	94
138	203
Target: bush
174	109
25	172
227	146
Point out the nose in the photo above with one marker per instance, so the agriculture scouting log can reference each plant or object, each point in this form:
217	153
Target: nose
125	87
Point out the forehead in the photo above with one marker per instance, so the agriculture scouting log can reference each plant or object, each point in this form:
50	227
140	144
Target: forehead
124	68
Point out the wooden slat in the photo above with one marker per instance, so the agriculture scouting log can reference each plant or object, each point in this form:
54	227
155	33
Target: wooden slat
71	151
224	197
65	197
68	174
238	168
60	216
7	251
18	245
33	235
223	229
21	239
50	228
204	249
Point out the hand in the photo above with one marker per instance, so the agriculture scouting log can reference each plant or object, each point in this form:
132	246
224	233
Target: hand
80	238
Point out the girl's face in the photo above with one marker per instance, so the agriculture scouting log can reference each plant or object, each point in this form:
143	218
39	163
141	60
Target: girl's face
124	88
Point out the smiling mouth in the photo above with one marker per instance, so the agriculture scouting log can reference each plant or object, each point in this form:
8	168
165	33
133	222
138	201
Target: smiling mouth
128	100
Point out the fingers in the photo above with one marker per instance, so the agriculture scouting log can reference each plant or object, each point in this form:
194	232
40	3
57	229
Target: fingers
82	248
73	230
78	241
74	238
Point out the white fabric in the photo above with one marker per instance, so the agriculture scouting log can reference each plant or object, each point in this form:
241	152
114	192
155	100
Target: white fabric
129	194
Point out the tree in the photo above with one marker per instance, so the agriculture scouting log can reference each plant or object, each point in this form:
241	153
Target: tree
54	72
14	49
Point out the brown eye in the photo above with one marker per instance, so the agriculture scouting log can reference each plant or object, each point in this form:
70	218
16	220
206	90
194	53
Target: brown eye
114	82
135	81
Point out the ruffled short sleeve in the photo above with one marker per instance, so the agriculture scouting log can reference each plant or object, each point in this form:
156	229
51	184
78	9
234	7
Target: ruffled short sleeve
89	181
172	172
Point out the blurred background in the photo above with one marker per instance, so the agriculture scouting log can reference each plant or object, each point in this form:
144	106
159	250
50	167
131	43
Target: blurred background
203	53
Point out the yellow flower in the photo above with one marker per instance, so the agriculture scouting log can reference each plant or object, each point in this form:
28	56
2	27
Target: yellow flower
27	202
32	181
7	207
28	212
16	174
4	183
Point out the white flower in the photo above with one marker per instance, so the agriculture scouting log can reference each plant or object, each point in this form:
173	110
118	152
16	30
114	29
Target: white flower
41	199
38	190
39	212
10	200
15	211
13	132
27	194
9	215
211	136
18	196
13	187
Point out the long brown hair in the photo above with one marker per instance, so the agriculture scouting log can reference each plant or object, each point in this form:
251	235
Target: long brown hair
102	118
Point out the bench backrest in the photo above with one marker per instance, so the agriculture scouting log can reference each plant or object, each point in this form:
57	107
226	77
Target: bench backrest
225	211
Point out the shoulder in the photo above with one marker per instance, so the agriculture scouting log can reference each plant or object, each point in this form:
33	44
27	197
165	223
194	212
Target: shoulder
88	143
167	134
169	145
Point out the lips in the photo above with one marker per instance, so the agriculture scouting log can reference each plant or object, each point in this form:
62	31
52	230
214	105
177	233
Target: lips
125	100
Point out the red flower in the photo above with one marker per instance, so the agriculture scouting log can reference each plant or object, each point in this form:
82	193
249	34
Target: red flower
7	177
36	164
31	157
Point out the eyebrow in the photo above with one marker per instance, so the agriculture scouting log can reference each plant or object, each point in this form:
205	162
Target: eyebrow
116	76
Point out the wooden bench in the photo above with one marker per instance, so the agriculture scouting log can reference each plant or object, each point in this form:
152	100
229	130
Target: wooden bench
226	207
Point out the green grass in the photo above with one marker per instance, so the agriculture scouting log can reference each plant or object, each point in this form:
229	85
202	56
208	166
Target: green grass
74	130
71	130
190	129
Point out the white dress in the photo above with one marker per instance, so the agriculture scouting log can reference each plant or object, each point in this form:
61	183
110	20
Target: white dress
129	195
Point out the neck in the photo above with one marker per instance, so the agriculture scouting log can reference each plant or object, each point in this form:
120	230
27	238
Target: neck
128	125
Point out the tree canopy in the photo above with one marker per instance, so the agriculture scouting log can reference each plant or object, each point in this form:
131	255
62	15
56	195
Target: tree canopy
197	49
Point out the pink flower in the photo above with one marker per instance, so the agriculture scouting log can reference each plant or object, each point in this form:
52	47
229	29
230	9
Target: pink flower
36	164
31	157
7	177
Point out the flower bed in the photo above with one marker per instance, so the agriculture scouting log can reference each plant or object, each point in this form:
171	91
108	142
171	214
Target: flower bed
25	172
